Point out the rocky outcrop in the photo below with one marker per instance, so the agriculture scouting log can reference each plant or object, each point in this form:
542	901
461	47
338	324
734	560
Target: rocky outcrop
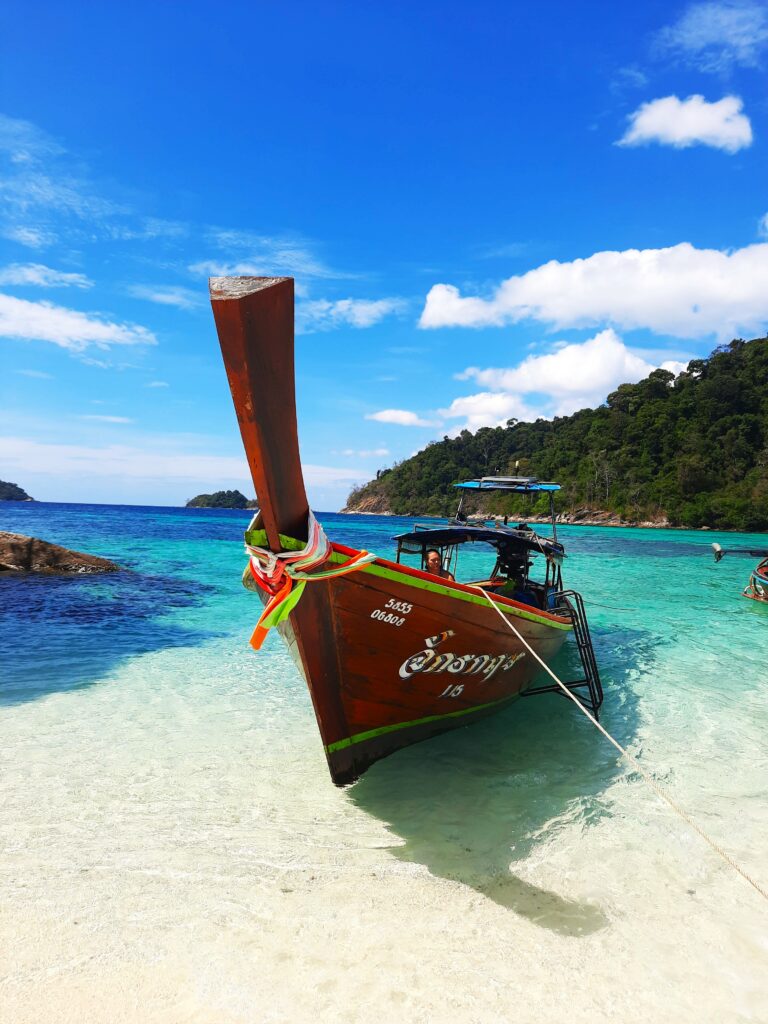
591	517
30	554
374	504
12	492
599	517
377	505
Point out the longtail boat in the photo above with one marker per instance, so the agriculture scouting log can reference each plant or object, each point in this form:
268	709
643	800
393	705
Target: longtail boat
391	653
757	588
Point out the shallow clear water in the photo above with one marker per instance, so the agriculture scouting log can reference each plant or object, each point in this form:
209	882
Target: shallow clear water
172	848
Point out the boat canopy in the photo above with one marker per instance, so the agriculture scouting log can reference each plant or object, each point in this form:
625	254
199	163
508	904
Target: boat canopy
530	485
505	539
515	484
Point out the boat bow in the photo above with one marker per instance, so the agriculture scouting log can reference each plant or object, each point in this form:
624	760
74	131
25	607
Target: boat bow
370	636
254	321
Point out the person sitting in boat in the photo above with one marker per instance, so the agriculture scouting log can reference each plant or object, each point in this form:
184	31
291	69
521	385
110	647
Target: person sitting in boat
433	563
516	588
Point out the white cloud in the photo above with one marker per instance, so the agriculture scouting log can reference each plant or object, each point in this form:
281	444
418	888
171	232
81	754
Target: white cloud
573	376
370	453
151	462
68	328
446	307
690	122
250	254
488	409
159	459
675	366
106	419
402	417
327	475
576	375
37	374
168	295
680	290
502	250
40	275
39	180
762	226
157	384
227	268
148	229
30	191
33	238
628	78
24	142
46	195
596	364
717	37
323	315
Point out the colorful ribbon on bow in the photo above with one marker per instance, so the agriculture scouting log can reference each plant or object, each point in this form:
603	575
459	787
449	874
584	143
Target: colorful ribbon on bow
283	575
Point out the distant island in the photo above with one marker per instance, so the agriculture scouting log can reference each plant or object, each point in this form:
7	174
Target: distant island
221	499
12	492
689	451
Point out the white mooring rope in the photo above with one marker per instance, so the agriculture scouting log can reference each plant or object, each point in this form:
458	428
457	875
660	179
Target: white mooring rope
660	792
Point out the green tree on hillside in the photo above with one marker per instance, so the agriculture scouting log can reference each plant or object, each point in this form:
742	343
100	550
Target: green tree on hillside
692	447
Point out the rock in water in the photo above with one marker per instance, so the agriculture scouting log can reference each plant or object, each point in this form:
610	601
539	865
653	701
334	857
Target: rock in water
30	554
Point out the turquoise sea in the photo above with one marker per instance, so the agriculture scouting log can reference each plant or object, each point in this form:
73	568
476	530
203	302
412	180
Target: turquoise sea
172	849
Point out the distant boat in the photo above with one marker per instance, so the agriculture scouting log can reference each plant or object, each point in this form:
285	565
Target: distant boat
391	653
757	588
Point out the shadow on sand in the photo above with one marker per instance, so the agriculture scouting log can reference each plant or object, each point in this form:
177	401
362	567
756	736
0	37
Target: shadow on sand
61	633
471	801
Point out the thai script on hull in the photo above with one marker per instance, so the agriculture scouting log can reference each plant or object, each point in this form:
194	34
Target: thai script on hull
432	661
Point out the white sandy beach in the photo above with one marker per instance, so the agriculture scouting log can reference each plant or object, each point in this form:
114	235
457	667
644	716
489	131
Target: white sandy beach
171	858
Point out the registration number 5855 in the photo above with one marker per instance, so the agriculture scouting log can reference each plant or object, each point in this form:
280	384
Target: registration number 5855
389	614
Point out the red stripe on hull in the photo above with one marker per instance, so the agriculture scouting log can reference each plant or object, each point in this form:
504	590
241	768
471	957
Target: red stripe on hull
465	588
387	669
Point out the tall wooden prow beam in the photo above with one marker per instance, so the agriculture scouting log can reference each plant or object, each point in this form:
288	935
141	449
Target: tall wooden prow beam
254	321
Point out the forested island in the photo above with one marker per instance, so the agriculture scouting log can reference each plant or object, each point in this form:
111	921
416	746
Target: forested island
221	499
688	450
12	492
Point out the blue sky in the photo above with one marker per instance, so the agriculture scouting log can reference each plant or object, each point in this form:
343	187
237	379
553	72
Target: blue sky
494	211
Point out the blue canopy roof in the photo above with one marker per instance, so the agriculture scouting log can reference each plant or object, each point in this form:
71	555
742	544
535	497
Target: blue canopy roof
516	484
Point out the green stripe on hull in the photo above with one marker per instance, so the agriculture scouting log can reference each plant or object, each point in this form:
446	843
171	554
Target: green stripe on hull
372	733
258	538
437	588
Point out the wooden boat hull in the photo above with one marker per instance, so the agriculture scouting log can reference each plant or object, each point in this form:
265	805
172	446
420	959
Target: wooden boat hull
392	656
757	588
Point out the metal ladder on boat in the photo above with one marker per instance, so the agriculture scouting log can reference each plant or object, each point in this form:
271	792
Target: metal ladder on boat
589	690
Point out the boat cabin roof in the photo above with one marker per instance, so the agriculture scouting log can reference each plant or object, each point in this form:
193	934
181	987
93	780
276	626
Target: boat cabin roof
515	484
503	538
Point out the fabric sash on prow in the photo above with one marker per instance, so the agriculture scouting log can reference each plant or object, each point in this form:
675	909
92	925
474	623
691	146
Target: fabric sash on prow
254	321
